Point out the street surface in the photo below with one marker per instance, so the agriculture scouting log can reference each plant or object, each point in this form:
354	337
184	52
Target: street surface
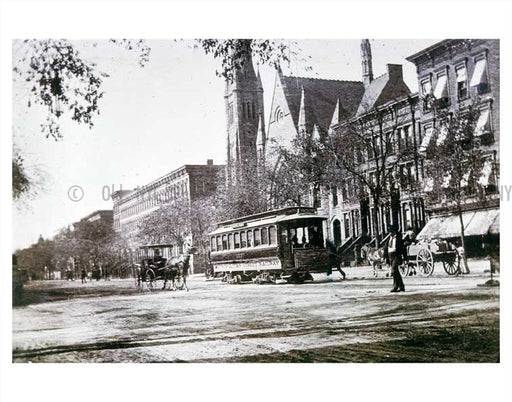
439	318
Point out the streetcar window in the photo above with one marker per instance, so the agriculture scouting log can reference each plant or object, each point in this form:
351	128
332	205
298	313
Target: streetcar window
230	241
213	244
264	236
249	239
219	243
237	240
272	235
243	239
224	242
257	237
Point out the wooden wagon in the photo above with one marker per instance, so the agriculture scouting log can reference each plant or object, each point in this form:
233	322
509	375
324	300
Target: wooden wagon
423	255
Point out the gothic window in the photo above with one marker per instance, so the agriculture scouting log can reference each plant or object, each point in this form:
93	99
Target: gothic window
230	113
334	190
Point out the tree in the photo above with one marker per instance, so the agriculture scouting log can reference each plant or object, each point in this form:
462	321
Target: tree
367	153
60	80
454	161
293	173
170	223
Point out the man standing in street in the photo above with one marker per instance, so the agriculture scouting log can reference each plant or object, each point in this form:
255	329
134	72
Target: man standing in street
394	252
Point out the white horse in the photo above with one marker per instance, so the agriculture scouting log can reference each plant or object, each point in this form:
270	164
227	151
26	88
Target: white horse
375	257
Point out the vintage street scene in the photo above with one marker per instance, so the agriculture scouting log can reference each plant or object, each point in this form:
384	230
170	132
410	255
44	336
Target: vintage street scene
256	201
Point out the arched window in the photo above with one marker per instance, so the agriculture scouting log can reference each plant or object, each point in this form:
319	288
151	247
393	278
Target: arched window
230	241
249	239
237	240
224	242
219	244
243	239
213	244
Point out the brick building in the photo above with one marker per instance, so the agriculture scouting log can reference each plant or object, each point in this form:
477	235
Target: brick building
462	74
458	71
187	184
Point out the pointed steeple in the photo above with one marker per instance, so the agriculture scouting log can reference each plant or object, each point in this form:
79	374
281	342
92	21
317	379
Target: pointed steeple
260	139
336	116
260	85
302	112
366	62
316	133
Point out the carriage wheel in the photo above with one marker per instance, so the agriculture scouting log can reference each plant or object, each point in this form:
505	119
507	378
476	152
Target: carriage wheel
179	283
425	262
452	265
150	280
404	268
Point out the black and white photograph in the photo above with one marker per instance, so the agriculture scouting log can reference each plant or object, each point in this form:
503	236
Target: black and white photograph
233	200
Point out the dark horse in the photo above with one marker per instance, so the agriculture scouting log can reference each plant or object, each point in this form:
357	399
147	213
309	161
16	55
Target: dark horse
176	272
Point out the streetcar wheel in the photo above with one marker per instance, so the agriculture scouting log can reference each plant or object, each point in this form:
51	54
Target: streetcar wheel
425	262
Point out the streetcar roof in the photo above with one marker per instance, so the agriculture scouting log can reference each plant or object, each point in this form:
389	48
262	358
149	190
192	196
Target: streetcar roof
264	222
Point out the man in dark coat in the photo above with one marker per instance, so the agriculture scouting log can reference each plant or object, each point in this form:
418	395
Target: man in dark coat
334	261
393	252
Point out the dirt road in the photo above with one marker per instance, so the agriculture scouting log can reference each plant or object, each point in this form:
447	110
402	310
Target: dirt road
439	318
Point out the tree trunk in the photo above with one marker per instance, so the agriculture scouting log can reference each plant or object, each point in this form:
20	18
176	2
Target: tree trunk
462	242
375	223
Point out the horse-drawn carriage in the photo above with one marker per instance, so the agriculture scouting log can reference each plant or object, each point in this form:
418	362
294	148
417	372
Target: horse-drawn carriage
158	272
422	256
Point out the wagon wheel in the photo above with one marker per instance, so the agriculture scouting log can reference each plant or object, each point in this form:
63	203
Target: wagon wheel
452	263
178	282
404	268
425	262
150	279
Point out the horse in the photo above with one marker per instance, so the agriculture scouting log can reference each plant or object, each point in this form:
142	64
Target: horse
176	271
375	257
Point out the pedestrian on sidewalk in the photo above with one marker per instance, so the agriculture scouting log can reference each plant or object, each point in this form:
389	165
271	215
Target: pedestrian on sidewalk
393	252
83	275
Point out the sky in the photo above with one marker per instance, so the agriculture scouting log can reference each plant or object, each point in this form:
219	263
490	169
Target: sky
154	120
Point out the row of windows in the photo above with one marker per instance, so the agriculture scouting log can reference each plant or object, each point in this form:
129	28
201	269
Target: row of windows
479	80
244	239
150	200
405	175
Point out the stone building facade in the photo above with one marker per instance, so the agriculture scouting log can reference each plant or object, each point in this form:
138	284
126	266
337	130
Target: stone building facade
186	184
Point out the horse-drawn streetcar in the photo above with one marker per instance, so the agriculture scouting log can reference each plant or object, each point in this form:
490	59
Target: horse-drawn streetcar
285	244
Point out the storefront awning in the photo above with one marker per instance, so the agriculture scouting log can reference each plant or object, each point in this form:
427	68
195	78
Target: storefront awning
476	223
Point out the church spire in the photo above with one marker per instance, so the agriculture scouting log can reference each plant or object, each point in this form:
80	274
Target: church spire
366	61
260	139
316	133
302	113
336	116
